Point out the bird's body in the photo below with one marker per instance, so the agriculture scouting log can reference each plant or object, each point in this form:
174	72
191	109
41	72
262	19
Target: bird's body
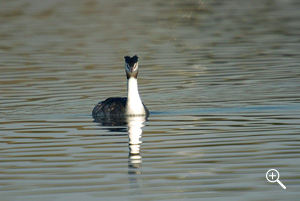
114	108
132	105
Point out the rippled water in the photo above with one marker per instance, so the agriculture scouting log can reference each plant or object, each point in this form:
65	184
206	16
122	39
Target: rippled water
220	78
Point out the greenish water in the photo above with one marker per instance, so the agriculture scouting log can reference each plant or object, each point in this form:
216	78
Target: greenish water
220	78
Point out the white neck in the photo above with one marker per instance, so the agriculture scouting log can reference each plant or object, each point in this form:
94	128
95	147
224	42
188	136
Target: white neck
134	102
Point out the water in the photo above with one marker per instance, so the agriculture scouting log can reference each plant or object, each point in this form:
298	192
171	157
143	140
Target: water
221	79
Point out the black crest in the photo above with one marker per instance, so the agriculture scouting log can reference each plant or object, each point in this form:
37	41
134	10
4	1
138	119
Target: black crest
131	60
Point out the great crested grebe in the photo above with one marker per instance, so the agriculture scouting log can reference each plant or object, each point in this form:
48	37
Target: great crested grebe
122	106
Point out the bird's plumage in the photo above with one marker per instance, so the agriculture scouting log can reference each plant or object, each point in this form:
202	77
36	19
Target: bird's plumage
112	108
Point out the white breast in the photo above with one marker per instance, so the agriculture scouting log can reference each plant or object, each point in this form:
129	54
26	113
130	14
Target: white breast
134	102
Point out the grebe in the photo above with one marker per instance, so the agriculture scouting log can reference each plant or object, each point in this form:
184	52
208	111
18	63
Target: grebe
119	107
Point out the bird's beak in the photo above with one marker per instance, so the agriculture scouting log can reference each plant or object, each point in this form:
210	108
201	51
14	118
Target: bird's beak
131	69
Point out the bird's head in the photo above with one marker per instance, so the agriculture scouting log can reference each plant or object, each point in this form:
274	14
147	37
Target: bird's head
131	66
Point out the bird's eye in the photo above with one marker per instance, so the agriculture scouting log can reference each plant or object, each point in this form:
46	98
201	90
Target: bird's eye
134	67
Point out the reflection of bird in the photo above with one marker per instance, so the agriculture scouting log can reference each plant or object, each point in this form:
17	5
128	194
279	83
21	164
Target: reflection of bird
135	131
119	107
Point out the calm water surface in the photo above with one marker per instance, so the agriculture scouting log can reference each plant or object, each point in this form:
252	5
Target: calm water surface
221	79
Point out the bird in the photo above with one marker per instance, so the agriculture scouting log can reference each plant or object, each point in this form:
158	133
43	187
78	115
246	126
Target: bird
120	107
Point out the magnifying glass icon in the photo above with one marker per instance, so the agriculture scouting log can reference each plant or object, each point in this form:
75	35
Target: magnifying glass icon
273	176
